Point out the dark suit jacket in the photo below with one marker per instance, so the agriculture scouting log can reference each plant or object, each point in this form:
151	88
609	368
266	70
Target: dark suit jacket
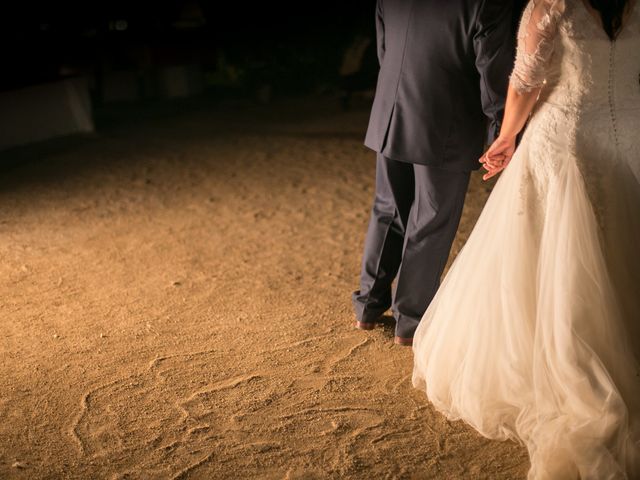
444	68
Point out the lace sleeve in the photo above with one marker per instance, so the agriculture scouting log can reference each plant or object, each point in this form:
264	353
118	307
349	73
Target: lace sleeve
536	39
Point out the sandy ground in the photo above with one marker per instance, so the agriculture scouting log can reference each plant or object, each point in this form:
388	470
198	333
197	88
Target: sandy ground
174	303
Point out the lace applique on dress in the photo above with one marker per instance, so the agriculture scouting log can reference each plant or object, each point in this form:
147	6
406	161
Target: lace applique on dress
536	38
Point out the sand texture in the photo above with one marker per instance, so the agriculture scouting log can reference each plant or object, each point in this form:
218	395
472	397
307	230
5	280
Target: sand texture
175	304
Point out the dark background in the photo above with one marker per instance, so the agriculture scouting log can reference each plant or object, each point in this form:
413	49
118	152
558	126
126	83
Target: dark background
292	48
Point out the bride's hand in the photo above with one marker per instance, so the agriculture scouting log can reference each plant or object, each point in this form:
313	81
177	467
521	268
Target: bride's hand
498	156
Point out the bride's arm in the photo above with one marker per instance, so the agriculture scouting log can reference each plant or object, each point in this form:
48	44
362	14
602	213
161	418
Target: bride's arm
536	38
518	108
517	111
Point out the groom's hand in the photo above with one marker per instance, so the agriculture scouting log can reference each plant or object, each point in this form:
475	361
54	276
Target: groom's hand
498	156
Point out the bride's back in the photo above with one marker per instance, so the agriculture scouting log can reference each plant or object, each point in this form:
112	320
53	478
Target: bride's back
589	70
590	104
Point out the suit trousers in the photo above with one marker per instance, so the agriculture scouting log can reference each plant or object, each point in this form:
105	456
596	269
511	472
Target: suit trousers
415	216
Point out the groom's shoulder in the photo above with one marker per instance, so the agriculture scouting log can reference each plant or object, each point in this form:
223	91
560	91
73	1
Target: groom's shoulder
452	13
461	9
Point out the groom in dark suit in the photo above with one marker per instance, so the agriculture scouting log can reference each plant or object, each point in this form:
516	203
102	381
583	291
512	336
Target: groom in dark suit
444	68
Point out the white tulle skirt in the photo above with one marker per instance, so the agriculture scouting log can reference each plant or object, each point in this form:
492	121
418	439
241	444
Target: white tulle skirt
534	333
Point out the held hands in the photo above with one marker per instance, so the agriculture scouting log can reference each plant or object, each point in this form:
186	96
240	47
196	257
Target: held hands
498	156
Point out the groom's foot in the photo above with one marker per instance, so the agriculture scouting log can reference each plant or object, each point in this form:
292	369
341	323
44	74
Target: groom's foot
365	325
405	342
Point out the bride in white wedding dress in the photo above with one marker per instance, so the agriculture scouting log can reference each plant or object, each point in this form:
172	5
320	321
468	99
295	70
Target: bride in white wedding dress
534	334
